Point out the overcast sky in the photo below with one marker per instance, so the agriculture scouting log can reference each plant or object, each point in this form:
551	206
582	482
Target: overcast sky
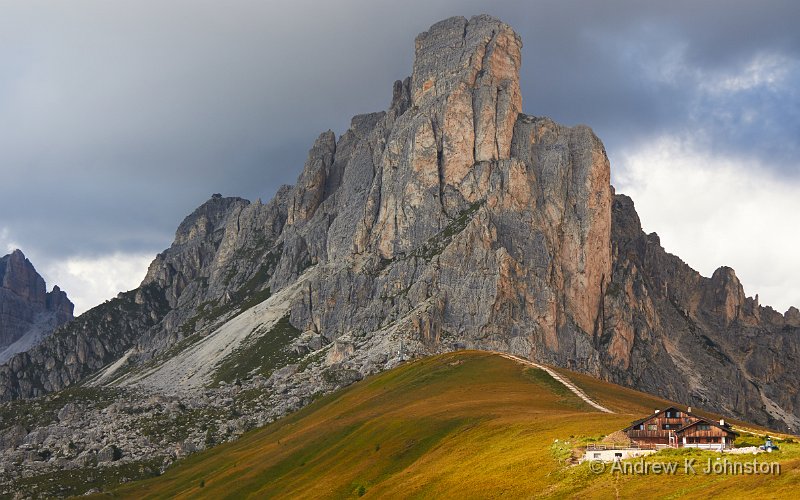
118	118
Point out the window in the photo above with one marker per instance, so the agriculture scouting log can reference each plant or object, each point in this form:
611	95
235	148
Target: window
703	427
652	427
666	427
597	455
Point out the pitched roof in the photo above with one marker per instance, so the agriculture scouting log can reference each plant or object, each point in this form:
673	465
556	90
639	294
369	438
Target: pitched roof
657	414
726	427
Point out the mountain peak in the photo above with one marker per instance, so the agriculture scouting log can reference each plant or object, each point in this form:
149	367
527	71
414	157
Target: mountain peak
206	217
473	67
18	275
459	51
27	311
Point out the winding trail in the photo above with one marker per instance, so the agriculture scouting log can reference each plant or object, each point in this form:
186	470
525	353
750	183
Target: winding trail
559	378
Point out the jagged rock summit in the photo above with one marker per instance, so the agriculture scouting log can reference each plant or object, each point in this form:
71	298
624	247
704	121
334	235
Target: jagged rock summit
28	312
451	220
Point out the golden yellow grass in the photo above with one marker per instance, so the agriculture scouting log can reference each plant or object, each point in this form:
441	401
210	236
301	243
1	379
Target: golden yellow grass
460	425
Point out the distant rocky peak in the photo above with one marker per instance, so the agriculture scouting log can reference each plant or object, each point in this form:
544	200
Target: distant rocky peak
28	313
18	275
58	302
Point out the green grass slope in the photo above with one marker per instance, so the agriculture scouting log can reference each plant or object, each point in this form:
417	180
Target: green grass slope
461	425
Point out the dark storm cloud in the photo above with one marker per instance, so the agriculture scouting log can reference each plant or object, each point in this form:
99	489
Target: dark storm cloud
118	118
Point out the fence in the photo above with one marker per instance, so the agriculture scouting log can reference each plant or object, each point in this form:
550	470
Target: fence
621	446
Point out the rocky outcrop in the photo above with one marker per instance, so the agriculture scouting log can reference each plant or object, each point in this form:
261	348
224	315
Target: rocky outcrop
461	216
451	220
28	313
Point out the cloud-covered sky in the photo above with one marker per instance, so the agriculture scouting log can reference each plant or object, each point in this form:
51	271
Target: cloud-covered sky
118	118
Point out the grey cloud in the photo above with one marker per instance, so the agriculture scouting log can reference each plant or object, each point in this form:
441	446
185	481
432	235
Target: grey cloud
118	118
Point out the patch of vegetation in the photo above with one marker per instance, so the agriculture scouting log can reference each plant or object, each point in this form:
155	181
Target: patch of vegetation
189	327
310	359
437	243
359	490
561	451
382	264
250	253
261	354
589	439
249	398
43	410
177	426
76	482
174	349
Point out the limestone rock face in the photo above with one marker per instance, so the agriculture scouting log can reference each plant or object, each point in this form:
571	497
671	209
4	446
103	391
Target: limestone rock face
311	186
196	243
28	312
450	220
724	295
468	73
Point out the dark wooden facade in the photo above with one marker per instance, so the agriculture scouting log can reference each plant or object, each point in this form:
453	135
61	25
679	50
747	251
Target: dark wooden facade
677	428
706	434
659	428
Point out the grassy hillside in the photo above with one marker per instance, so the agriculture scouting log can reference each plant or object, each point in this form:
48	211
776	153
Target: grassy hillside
469	424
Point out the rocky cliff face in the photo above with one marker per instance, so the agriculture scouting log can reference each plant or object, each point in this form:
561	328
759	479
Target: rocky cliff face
670	331
450	220
28	312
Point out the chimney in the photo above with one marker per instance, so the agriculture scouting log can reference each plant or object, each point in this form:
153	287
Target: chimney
689	409
657	410
722	422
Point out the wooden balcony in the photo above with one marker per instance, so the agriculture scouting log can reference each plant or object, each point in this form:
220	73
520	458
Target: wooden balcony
650	434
